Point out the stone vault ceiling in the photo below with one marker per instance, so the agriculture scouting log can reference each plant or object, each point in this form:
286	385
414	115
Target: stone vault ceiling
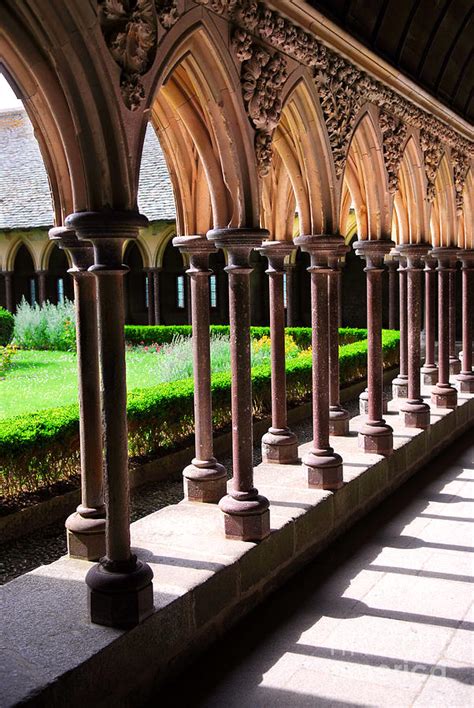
430	41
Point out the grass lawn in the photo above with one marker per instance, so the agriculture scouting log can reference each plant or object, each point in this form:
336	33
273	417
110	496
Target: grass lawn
46	379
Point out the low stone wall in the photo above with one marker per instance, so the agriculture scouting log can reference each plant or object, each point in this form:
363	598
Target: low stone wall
203	583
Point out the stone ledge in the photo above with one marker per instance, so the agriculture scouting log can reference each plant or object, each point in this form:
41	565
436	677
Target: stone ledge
203	582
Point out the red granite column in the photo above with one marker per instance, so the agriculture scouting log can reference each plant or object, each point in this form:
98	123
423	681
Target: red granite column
41	276
429	370
323	465
205	480
338	416
290	269
443	395
400	383
466	377
150	296
9	296
86	527
279	444
246	513
120	586
375	434
156	295
392	291
416	413
454	362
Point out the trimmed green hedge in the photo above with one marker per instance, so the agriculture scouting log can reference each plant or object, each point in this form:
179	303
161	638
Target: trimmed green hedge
7	325
39	449
164	334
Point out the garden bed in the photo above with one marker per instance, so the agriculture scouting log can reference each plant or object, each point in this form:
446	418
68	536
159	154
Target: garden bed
41	449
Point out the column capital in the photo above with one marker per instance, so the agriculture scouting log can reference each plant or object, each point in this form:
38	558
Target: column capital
373	251
429	261
466	256
198	248
239	243
81	252
446	256
413	252
322	248
276	252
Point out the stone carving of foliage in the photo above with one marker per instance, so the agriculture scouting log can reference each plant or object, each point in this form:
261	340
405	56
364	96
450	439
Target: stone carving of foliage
432	153
130	29
393	134
262	77
340	96
460	168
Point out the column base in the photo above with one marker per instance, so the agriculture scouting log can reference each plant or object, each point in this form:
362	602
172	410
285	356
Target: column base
416	414
429	374
364	402
444	396
376	437
280	446
245	519
324	469
85	536
400	387
454	365
466	381
338	421
120	594
205	481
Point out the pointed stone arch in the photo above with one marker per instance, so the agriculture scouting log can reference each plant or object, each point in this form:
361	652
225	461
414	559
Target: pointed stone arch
411	194
443	213
366	178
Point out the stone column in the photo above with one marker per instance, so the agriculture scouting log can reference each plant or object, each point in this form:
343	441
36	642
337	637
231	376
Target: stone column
443	395
323	465
150	296
454	362
279	444
86	527
156	295
41	278
429	370
400	383
120	586
9	292
338	416
246	513
290	269
375	434
392	264
205	480
416	413
466	377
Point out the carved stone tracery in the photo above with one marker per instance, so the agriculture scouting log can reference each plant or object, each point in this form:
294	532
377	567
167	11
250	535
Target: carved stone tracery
460	168
262	77
393	137
432	149
130	29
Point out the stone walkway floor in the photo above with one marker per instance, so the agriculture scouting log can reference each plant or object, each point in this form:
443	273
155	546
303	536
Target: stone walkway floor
382	618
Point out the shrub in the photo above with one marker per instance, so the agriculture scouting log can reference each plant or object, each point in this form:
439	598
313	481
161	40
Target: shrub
6	355
45	326
41	448
7	323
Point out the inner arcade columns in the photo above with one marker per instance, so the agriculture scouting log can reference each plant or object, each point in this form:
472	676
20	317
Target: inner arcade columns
279	444
205	480
400	383
86	527
415	411
246	513
375	434
454	362
429	370
466	377
444	395
120	586
338	416
9	296
392	264
323	465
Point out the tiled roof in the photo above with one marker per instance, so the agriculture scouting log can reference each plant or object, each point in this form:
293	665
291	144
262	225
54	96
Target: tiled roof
25	197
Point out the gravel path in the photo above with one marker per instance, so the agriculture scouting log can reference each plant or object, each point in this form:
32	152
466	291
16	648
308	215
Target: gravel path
49	543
